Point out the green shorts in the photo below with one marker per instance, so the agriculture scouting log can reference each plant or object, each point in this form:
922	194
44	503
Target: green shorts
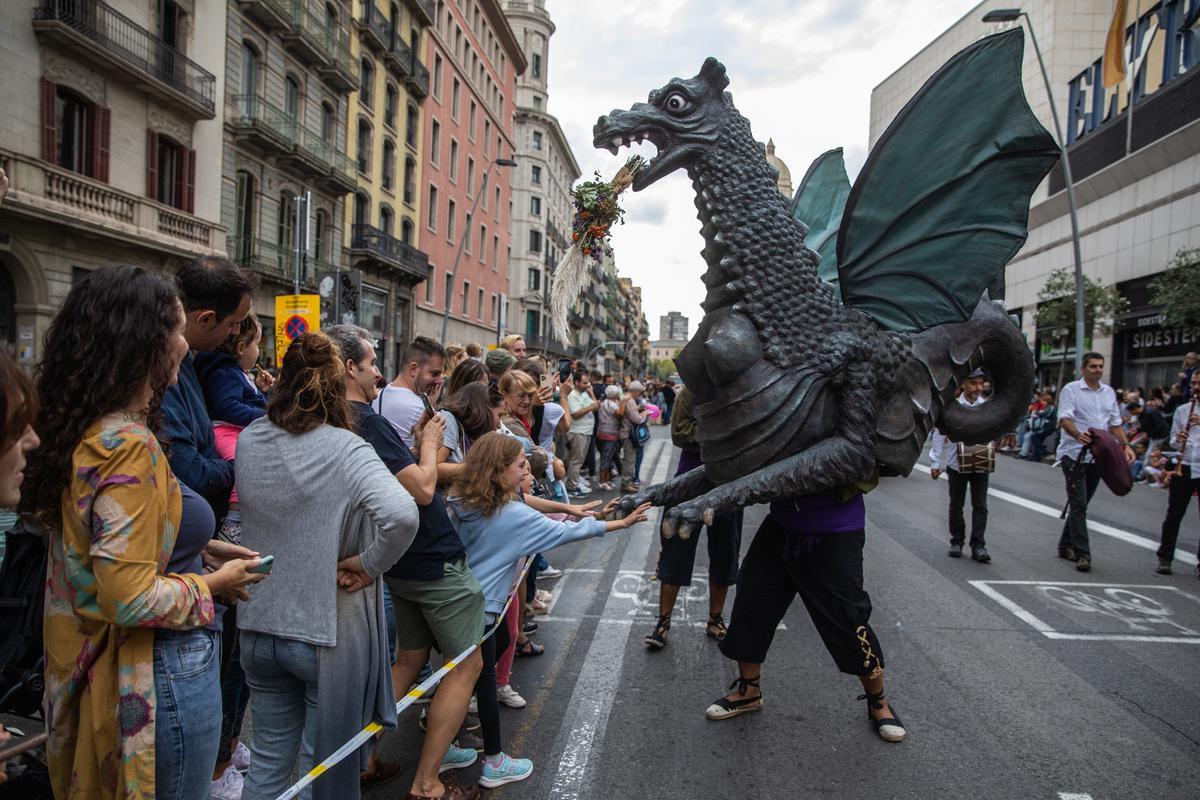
446	614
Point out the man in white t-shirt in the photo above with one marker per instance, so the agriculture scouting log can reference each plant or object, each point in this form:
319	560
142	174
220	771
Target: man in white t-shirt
580	404
1084	404
421	372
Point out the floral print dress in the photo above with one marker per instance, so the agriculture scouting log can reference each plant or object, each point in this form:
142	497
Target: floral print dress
106	593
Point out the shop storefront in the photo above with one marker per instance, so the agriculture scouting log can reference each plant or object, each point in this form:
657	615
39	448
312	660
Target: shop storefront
1146	351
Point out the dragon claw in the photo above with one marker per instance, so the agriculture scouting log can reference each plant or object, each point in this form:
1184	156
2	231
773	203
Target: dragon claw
669	526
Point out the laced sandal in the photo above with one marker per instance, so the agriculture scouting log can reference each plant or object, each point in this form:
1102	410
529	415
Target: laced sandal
724	708
657	639
890	729
716	627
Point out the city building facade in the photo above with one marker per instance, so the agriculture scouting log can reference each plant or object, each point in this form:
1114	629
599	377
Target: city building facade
474	59
1136	179
541	186
285	170
106	111
673	325
385	125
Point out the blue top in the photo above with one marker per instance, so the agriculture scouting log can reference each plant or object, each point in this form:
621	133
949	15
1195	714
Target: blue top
230	396
196	524
436	543
191	449
495	543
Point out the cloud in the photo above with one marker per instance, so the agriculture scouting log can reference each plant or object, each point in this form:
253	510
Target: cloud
801	72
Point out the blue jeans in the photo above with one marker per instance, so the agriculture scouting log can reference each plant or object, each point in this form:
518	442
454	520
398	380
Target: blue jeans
187	687
282	674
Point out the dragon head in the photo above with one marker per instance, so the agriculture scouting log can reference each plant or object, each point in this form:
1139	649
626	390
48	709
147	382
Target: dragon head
682	119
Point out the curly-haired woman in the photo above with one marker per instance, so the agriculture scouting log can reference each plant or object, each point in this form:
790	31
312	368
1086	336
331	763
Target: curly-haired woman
129	610
314	494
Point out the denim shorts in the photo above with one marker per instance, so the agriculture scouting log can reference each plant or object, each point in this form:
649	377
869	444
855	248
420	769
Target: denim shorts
187	731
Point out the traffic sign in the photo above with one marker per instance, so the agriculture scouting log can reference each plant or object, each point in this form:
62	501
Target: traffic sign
295	315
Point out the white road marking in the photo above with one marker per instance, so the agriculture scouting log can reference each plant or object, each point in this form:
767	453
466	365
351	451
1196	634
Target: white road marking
1047	630
1073	796
1144	542
591	700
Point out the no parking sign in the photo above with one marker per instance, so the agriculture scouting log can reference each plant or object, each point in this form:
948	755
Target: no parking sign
295	314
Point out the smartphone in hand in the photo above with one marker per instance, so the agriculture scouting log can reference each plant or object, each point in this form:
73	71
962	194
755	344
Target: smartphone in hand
264	566
428	406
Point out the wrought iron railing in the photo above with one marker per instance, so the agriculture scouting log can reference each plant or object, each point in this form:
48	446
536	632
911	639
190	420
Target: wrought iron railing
374	241
377	23
132	44
254	111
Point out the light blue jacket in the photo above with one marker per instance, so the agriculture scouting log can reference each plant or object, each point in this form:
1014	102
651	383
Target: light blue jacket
495	543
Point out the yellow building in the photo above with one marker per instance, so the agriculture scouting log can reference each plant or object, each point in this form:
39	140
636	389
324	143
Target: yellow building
385	138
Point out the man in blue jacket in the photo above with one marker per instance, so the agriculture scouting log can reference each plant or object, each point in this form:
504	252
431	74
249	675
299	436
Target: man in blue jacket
216	298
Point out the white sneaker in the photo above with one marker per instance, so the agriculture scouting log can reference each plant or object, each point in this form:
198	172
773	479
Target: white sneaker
228	786
241	758
507	695
550	573
473	706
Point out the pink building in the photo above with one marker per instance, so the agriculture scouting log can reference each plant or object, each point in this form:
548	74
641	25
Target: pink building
473	60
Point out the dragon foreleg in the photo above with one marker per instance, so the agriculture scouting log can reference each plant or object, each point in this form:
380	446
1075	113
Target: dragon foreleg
844	459
679	489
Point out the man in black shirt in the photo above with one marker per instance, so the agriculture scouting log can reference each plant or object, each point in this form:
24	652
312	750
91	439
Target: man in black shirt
435	599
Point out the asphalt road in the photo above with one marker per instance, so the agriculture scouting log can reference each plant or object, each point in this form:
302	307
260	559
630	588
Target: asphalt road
1018	679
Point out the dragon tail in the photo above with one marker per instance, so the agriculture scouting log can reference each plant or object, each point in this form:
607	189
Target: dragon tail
989	340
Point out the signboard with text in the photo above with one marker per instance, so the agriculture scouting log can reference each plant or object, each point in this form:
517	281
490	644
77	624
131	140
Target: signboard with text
295	314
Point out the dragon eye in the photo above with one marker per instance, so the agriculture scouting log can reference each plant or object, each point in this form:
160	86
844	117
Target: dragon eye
676	103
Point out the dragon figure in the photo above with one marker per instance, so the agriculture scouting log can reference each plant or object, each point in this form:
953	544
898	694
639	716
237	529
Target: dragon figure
803	386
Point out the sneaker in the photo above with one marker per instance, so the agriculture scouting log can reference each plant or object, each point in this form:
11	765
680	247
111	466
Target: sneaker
981	555
1084	564
241	758
457	758
579	494
509	697
549	572
473	706
531	627
955	551
505	770
469	741
1164	566
228	786
1068	553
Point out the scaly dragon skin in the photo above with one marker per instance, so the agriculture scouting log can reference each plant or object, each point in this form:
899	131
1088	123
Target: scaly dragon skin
795	393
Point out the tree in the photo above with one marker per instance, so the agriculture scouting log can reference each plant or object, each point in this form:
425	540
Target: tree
1177	289
662	368
1055	318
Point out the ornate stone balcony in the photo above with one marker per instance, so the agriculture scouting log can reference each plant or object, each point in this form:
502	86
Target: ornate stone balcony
370	244
98	33
41	191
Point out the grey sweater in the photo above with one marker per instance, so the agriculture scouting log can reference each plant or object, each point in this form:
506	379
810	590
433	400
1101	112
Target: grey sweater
309	500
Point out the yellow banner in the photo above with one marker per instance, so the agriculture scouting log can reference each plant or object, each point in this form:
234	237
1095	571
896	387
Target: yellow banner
295	314
1114	47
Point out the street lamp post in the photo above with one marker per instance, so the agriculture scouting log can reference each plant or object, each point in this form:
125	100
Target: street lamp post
462	243
1012	15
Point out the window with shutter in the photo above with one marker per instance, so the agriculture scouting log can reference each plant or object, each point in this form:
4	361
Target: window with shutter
100	143
49	121
189	194
152	165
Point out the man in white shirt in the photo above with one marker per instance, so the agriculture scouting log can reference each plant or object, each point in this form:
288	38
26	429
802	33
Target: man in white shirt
580	404
1188	481
943	454
1084	404
421	372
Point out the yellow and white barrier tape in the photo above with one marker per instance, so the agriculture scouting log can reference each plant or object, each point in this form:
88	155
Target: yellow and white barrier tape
414	694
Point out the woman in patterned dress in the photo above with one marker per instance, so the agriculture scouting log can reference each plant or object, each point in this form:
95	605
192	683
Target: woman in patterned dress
130	650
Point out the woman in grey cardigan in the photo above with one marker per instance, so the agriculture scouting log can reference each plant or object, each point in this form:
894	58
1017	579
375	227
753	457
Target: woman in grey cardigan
316	497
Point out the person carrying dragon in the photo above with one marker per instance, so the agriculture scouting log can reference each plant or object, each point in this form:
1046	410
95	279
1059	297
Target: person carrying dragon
837	330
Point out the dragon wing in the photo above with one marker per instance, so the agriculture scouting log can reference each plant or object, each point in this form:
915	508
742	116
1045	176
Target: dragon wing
942	202
819	202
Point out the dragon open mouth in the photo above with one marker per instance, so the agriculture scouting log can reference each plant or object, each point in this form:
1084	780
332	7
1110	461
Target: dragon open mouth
611	134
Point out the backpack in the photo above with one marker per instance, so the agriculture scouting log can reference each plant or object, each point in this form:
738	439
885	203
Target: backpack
22	595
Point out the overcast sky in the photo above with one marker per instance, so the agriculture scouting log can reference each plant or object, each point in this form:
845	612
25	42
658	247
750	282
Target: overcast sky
801	72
